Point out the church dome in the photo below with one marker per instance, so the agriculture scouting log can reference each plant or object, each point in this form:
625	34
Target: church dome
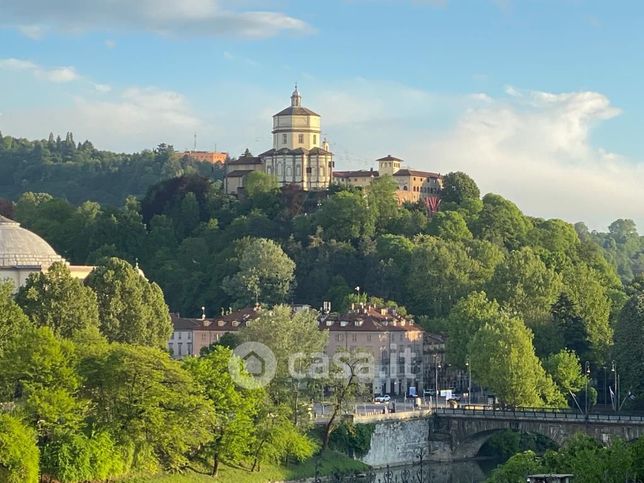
21	248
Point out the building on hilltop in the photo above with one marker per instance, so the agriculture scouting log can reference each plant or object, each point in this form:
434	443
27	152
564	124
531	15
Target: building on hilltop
413	185
212	157
299	157
22	253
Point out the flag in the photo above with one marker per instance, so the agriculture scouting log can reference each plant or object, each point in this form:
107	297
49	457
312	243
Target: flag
612	397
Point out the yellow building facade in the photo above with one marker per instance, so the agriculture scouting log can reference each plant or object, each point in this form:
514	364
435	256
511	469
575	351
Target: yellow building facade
299	157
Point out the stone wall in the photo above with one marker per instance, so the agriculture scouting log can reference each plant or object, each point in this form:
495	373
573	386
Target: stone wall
398	442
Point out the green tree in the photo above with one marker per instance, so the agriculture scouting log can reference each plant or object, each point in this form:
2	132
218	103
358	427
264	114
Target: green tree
131	309
585	288
345	216
60	301
503	359
233	409
147	401
458	187
286	334
18	451
449	225
438	277
382	201
464	321
265	273
501	222
565	369
276	438
517	468
524	285
629	344
13	320
257	183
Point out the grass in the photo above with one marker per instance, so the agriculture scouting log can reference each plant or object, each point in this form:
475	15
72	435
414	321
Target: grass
330	462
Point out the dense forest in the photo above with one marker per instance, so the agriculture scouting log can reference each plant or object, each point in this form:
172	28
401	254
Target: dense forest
79	172
539	309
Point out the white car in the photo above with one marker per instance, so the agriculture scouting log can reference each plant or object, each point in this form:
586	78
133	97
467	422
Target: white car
382	399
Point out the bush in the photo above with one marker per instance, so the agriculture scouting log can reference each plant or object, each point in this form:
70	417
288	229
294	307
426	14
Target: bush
18	451
352	439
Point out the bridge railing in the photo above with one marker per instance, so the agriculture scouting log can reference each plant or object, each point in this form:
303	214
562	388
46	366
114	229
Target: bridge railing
539	413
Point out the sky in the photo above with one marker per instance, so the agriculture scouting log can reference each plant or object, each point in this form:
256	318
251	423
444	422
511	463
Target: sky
538	100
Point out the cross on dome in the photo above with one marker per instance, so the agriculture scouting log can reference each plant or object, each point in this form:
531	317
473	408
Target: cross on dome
296	98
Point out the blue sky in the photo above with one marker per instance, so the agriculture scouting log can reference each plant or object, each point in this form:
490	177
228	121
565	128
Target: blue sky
539	101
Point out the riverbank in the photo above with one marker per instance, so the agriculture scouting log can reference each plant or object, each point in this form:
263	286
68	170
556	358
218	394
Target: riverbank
329	462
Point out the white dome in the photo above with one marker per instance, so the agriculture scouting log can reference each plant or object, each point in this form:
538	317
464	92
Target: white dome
21	248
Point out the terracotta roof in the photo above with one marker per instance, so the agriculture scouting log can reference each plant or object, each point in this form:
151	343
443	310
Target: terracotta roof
413	172
389	157
363	173
239	173
244	160
296	111
368	320
224	323
317	150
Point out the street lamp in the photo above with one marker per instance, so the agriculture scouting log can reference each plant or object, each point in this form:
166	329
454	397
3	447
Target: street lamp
436	367
469	380
587	371
615	402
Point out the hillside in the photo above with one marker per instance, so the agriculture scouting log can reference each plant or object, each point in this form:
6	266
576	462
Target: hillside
80	172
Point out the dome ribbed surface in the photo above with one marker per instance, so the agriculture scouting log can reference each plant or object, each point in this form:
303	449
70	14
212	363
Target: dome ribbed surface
21	248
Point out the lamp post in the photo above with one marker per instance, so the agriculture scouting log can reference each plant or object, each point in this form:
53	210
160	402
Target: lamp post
469	380
615	401
587	371
436	368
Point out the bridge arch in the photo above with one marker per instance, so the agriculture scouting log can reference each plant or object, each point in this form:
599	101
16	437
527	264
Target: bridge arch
471	446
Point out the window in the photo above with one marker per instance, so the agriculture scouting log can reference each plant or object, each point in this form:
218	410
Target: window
368	337
189	348
354	337
288	171
179	352
284	138
300	138
405	188
338	337
315	139
179	335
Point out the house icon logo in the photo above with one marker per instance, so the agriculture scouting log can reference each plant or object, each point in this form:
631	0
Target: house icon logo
253	365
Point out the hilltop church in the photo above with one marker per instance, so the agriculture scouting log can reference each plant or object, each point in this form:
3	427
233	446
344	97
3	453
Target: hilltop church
301	159
299	156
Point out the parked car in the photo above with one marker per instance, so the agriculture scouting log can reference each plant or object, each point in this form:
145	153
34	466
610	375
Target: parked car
385	398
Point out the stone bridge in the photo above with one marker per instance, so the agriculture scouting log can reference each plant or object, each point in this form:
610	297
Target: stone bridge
458	434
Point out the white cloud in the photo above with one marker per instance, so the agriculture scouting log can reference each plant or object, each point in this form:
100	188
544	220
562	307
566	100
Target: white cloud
17	64
60	74
184	18
535	148
102	88
136	118
34	32
57	74
110	44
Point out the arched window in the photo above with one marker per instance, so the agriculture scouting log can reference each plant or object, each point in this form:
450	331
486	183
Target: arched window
405	188
288	171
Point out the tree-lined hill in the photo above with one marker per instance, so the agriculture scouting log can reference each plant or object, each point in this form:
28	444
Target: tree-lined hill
79	172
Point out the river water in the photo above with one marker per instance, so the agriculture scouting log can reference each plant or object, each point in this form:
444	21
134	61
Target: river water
473	471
